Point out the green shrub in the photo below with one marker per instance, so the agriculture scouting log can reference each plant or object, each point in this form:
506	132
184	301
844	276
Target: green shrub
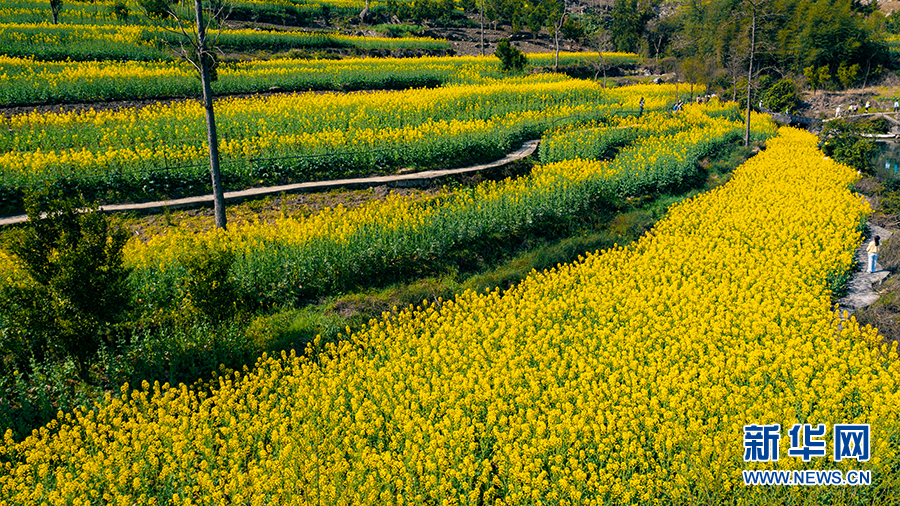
208	288
511	59
889	200
878	125
29	401
844	142
782	97
120	10
156	8
848	75
74	293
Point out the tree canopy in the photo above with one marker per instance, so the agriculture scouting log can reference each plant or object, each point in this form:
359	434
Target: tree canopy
838	42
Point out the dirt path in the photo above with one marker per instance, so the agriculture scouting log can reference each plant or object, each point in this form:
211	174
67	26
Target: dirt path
398	180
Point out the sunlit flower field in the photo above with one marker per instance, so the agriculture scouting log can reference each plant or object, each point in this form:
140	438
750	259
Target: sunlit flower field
626	377
259	135
281	261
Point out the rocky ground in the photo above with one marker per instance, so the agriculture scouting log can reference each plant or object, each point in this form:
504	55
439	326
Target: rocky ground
880	93
467	41
863	286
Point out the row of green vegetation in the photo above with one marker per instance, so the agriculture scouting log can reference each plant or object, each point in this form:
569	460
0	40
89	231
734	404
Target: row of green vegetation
159	152
825	44
153	43
142	12
289	265
286	12
29	82
80	351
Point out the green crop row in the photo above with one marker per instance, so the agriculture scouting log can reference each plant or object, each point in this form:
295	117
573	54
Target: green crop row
105	12
147	43
240	436
25	81
293	260
161	151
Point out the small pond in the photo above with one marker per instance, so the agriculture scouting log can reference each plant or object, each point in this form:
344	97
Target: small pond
887	161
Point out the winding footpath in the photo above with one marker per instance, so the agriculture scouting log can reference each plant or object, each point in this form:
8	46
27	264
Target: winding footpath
861	288
397	180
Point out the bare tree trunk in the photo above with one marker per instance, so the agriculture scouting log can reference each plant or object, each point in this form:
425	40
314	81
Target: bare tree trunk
556	60
558	27
55	7
212	138
868	67
603	66
750	75
482	27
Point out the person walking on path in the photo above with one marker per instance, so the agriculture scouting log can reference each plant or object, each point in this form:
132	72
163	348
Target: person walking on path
896	106
867	107
873	253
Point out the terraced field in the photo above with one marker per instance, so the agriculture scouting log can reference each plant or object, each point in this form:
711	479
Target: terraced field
636	374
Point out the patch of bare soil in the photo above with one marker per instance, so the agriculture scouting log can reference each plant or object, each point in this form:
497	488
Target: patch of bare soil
889	7
467	41
823	104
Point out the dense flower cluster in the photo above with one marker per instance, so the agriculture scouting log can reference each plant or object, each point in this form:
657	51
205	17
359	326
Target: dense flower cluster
409	127
37	11
580	141
26	81
624	377
277	263
289	259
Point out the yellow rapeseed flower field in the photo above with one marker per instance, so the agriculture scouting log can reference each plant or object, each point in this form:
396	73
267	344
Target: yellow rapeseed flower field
278	261
433	123
623	378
